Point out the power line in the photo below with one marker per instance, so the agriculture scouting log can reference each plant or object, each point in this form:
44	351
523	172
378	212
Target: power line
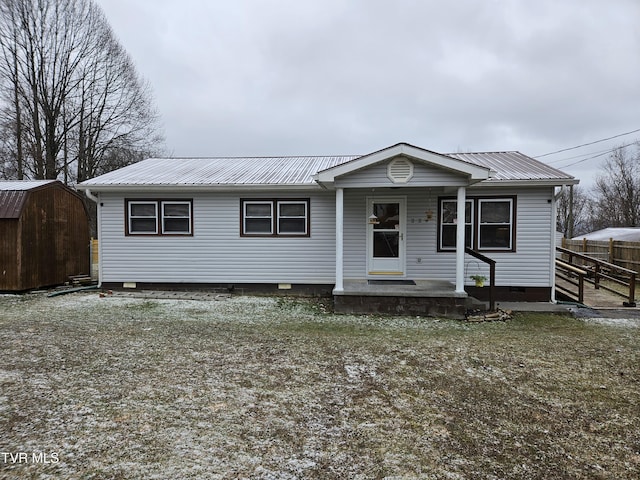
595	154
586	144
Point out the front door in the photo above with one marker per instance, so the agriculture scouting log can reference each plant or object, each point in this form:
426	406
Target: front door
385	236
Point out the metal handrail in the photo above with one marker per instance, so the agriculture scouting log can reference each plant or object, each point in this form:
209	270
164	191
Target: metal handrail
492	274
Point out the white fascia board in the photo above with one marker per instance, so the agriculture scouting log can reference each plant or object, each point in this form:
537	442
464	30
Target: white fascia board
475	172
196	188
527	183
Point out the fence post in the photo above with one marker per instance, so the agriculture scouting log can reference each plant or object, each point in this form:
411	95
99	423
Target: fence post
610	250
580	288
632	291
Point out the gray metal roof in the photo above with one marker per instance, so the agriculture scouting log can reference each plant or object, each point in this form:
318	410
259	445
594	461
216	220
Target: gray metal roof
512	166
293	171
627	234
227	171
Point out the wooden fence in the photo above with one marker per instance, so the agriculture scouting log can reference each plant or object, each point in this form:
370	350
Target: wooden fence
623	254
94	259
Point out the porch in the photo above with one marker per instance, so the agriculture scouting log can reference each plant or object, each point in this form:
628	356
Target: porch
403	297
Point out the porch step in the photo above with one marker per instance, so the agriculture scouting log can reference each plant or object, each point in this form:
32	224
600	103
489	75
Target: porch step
445	306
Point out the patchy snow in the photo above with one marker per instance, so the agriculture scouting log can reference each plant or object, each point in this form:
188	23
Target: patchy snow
614	322
280	388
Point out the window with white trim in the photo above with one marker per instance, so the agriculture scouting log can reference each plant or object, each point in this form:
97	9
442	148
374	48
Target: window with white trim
489	223
176	217
143	217
292	217
159	217
257	218
274	217
449	224
495	224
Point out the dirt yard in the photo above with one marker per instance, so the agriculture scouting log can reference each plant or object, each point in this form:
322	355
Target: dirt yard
265	388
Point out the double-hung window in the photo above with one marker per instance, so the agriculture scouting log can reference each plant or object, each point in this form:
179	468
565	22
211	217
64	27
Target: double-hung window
257	217
489	223
495	226
142	217
274	217
159	217
449	223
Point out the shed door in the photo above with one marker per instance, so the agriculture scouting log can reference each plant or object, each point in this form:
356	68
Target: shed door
386	236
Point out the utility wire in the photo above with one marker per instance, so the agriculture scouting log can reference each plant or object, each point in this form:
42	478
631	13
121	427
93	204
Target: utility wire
585	144
595	154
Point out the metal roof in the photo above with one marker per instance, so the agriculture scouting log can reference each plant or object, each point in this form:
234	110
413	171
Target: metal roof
512	166
14	193
627	234
228	171
22	185
294	171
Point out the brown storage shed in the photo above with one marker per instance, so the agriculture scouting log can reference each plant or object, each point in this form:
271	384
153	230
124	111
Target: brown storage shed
44	234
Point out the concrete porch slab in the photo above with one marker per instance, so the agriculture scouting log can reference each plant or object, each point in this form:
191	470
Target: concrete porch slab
422	288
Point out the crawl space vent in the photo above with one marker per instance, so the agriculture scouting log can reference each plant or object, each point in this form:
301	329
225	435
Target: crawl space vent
400	170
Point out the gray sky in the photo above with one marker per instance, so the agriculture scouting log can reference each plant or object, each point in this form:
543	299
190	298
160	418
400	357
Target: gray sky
307	77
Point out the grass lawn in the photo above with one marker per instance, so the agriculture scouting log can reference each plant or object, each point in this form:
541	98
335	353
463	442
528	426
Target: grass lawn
266	388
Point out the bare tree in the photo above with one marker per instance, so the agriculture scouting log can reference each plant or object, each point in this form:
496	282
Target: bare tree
573	211
71	91
617	191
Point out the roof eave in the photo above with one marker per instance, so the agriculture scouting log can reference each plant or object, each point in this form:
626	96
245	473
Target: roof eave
194	188
545	182
475	172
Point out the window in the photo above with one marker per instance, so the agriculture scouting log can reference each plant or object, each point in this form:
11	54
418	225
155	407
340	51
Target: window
449	223
258	218
275	217
159	217
489	223
495	226
176	217
143	217
292	218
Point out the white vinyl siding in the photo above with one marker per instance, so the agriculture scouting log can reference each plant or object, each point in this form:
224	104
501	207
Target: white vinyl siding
423	175
216	252
529	265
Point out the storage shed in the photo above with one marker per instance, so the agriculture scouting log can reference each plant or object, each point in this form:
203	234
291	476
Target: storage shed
44	234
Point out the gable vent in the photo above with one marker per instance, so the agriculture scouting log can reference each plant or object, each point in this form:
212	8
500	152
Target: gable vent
400	170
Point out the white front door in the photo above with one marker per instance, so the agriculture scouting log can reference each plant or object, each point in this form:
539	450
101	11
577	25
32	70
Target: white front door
386	236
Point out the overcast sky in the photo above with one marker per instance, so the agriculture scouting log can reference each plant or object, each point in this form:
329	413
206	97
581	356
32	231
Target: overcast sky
307	77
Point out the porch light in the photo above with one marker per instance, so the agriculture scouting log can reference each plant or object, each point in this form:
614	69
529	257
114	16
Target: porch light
373	220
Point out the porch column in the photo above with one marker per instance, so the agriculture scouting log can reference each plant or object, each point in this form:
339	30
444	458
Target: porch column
339	287
460	227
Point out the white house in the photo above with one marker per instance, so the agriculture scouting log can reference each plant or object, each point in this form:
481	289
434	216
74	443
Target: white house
333	224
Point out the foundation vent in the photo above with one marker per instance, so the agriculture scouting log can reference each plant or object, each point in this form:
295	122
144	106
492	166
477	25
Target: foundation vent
400	170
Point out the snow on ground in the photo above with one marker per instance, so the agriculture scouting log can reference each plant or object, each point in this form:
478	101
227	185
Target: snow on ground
280	388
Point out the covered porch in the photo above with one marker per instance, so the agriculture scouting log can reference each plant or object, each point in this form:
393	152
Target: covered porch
388	254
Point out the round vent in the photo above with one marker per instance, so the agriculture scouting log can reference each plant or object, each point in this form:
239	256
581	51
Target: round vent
400	170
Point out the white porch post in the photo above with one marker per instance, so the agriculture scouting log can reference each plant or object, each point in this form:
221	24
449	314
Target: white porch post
460	227
339	240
